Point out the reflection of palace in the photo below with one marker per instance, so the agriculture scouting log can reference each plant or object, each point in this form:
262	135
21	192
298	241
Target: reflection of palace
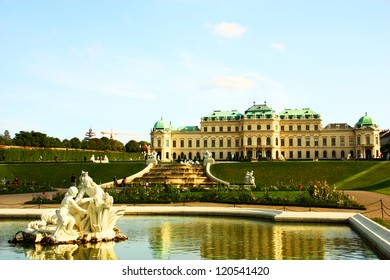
260	133
241	239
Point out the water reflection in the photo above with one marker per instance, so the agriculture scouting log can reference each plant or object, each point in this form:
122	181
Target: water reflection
99	251
176	237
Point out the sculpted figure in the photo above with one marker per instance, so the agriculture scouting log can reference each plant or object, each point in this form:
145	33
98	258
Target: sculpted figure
249	178
66	221
98	204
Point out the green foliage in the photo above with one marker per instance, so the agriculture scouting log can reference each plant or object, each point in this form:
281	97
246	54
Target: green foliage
16	154
343	174
57	175
315	195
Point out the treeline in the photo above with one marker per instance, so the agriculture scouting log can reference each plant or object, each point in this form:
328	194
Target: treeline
41	140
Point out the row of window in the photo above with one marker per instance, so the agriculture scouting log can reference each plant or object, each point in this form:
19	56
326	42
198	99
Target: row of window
258	127
292	142
291	155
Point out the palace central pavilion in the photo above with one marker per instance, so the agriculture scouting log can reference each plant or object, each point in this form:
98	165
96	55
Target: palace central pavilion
261	133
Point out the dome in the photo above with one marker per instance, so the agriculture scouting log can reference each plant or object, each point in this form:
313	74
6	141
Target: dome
162	125
365	121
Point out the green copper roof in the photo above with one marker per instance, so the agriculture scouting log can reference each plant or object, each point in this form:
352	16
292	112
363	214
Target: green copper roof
189	128
298	113
162	125
217	115
259	109
365	121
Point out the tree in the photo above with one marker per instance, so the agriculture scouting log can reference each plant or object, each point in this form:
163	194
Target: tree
75	143
132	146
5	138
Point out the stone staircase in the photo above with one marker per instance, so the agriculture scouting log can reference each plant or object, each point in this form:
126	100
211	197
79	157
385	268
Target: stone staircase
179	175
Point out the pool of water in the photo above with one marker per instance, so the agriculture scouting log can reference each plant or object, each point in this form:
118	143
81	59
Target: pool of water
200	238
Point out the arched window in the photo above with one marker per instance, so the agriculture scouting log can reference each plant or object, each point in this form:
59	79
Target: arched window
268	140
249	141
325	154
249	127
174	156
277	142
259	141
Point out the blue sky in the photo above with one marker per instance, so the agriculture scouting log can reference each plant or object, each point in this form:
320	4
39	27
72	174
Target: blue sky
66	66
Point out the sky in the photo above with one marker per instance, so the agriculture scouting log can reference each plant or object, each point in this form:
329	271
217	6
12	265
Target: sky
67	66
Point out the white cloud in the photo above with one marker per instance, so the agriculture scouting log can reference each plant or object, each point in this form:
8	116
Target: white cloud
228	29
278	46
236	83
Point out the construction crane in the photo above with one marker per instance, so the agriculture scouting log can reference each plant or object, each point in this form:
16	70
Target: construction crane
112	133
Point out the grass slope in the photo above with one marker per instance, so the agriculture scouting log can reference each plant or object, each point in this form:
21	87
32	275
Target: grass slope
364	175
58	174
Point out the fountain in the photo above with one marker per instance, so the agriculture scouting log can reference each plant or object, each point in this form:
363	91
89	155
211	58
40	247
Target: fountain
86	214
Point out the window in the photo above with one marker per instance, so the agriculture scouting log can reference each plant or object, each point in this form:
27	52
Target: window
159	143
282	128
205	129
212	143
307	142
316	141
213	129
290	142
316	127
299	142
221	143
324	142
299	127
358	140
268	127
268	140
221	129
205	143
174	143
325	154
316	154
299	154
351	142
221	155
190	143
277	141
237	129
181	143
258	127
368	140
249	141
282	142
291	154
307	154
342	141
197	143
290	127
229	129
307	127
333	139
237	142
249	127
258	141
229	142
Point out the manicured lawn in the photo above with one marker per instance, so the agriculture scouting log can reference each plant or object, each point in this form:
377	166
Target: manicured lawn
363	175
58	174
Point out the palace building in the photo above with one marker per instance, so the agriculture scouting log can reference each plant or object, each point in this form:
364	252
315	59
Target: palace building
260	133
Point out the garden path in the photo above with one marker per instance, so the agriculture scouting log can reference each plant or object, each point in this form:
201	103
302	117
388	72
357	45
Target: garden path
370	200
